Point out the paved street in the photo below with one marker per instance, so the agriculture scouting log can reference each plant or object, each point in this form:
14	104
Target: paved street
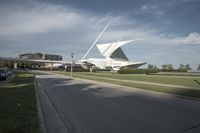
82	106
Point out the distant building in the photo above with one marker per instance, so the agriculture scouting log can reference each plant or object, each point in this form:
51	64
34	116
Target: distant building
40	56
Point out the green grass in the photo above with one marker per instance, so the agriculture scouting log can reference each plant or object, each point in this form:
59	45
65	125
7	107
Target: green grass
18	110
173	80
178	80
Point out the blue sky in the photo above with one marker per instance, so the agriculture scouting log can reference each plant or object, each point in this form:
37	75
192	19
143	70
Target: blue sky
170	29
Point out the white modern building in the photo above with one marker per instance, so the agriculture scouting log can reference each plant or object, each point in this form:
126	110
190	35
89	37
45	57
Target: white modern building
114	57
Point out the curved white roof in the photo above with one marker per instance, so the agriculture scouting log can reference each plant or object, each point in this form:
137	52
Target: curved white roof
115	57
108	49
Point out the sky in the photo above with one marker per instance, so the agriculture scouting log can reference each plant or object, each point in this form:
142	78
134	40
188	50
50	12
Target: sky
169	29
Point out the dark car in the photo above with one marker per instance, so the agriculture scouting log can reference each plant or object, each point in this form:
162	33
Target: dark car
9	72
3	74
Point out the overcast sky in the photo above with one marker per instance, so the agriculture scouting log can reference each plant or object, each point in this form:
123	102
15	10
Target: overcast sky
170	28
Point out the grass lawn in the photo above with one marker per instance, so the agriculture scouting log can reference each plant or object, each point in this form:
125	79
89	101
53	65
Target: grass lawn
173	80
18	110
190	81
169	80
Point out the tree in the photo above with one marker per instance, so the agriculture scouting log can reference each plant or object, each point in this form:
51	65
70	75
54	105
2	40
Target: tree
3	63
150	66
170	67
198	67
181	67
20	64
28	64
155	67
9	63
187	67
165	67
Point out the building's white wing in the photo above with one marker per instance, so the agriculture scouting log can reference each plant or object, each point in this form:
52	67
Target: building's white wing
126	64
108	49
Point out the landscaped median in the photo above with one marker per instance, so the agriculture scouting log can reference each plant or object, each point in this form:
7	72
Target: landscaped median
179	85
18	109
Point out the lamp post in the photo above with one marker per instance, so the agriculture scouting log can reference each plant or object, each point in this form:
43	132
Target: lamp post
72	55
51	65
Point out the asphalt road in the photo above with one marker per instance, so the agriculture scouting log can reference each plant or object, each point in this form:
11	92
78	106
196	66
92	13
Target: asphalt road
81	106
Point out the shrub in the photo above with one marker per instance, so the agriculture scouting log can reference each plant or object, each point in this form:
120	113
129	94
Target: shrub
137	71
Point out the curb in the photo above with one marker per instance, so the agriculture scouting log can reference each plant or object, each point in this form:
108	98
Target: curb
51	119
40	114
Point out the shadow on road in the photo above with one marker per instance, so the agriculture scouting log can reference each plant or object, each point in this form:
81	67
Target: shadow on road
95	107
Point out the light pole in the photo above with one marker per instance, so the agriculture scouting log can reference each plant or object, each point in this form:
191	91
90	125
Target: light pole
65	68
72	55
51	65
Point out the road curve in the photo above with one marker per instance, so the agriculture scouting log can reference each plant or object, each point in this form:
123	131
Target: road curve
81	106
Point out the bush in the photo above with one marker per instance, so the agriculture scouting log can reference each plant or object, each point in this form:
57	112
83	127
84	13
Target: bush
174	70
94	70
137	71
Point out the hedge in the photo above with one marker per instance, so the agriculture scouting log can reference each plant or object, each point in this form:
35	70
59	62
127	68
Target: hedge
137	71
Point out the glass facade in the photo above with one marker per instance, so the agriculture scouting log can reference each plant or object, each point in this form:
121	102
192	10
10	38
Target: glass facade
40	56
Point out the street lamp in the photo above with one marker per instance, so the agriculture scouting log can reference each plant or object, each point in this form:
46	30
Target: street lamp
72	55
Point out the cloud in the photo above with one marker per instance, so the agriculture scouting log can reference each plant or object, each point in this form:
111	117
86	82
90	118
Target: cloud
40	18
151	9
191	39
153	37
61	30
159	8
46	18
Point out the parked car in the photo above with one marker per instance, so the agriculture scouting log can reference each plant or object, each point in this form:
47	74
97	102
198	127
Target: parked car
9	72
3	74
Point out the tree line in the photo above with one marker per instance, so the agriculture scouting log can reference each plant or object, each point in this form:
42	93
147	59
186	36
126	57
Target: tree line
20	64
154	69
170	67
